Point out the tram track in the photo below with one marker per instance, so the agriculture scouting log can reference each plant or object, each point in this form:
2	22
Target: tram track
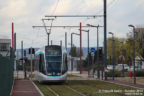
51	90
75	90
67	87
81	88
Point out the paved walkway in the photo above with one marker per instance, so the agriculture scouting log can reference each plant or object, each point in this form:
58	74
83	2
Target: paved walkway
23	88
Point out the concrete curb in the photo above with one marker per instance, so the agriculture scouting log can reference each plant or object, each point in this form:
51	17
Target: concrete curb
12	87
38	89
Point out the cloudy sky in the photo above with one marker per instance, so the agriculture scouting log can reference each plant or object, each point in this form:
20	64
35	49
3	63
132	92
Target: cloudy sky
27	13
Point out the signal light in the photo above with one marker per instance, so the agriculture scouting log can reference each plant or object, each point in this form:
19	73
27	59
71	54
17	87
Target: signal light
33	51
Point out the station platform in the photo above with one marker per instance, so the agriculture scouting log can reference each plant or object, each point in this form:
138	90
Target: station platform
24	88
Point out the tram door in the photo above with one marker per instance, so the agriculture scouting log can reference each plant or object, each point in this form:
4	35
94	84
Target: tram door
41	64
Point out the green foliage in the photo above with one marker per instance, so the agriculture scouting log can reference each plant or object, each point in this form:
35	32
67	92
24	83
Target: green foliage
128	46
75	52
140	73
116	73
118	48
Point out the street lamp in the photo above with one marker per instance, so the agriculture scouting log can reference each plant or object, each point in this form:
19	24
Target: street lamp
98	69
122	60
133	52
113	52
87	48
71	48
66	41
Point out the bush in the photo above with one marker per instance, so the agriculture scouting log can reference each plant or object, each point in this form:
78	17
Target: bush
116	73
140	73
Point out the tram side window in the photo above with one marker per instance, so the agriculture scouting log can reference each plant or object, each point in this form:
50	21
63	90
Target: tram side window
41	63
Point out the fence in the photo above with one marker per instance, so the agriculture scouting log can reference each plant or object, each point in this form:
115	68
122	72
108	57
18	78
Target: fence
6	74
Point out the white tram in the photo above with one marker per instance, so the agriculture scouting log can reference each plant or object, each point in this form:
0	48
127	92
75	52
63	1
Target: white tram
51	64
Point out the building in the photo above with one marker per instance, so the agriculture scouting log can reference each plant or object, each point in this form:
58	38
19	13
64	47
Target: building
5	47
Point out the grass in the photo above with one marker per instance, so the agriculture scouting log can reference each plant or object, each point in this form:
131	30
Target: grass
44	89
70	75
92	87
62	90
87	87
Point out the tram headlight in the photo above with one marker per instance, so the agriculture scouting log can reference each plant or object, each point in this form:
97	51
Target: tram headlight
49	74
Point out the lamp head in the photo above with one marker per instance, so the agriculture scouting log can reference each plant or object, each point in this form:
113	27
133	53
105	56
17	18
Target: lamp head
88	25
131	26
111	33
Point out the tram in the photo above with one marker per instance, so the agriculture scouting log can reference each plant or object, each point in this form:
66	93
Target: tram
51	64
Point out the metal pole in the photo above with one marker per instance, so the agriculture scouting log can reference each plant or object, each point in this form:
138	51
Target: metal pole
93	63
48	38
122	61
22	56
31	68
24	64
12	35
61	43
71	51
17	64
114	60
133	52
51	42
88	52
15	41
105	37
113	55
98	73
134	55
15	68
66	40
87	47
80	47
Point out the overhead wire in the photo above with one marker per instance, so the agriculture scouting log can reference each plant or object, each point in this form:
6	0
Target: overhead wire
85	20
55	7
62	3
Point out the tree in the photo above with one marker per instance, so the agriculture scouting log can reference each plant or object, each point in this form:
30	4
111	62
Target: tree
118	48
73	51
139	47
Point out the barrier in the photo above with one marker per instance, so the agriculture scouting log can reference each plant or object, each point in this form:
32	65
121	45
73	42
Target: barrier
6	74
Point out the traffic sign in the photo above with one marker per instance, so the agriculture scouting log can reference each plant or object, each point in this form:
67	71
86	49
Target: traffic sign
92	49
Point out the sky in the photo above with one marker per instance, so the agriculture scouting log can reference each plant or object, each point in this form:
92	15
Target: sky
28	13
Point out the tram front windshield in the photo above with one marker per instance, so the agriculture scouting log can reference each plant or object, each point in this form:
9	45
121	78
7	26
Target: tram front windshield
53	60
